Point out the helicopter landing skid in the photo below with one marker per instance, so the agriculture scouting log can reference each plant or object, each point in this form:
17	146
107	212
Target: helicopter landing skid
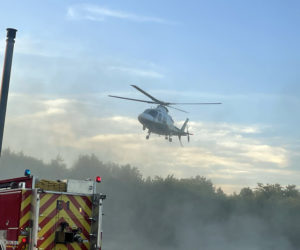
147	136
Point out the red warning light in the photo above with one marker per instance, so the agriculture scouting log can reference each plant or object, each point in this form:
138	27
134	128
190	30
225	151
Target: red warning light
24	240
98	179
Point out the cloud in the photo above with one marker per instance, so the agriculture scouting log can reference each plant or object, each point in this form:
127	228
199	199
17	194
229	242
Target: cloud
100	13
229	154
63	72
27	45
244	140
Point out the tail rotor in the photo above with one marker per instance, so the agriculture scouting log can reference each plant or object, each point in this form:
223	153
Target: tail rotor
188	133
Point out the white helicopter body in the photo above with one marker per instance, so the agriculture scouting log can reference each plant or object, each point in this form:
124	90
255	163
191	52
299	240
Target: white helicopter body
157	120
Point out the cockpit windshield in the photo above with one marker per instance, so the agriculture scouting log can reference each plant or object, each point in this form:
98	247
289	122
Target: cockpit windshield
151	112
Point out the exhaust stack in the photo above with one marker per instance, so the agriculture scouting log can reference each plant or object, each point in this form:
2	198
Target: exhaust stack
10	41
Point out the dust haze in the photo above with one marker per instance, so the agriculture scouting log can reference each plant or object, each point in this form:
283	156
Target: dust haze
171	213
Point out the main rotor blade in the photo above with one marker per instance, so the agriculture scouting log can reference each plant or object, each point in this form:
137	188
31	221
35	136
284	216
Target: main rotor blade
130	99
177	109
192	103
146	94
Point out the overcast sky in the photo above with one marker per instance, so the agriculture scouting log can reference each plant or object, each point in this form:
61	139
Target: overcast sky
69	55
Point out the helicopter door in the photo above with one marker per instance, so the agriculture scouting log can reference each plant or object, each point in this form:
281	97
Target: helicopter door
159	117
164	120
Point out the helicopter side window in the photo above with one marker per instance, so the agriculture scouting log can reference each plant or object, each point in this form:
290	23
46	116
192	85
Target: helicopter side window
159	117
153	113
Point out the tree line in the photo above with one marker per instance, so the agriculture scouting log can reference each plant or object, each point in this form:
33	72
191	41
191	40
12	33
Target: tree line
171	213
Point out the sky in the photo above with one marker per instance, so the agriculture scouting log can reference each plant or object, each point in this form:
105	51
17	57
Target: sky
70	55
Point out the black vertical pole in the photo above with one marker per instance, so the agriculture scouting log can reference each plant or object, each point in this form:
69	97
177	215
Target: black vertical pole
10	41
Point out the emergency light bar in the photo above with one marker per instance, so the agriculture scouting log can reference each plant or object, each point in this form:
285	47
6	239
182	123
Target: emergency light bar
27	172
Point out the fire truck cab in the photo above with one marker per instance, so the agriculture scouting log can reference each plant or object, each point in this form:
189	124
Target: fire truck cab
47	214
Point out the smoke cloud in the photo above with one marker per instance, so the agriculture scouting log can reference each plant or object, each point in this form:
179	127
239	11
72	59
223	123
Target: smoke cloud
171	213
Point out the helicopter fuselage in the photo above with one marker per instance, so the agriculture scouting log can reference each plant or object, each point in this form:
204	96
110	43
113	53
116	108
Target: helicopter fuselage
158	121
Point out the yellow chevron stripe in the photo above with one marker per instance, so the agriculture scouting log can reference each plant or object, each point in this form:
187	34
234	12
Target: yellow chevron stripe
76	246
26	202
45	228
83	205
20	239
63	214
45	198
48	210
77	214
51	238
72	224
25	218
48	241
87	244
61	247
67	218
50	223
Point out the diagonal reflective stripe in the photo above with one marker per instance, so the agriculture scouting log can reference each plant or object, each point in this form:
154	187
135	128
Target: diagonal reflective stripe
44	219
47	200
51	209
49	236
77	217
80	246
26	210
74	221
25	202
26	193
25	219
81	209
48	223
84	204
87	200
49	240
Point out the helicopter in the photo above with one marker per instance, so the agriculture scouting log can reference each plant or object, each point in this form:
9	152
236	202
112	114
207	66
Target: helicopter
158	121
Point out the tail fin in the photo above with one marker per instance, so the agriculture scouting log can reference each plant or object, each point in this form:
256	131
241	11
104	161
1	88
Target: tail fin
184	125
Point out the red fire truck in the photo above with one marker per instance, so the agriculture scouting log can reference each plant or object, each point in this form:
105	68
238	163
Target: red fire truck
46	214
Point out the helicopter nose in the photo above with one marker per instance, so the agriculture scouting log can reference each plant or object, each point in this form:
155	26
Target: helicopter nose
143	118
